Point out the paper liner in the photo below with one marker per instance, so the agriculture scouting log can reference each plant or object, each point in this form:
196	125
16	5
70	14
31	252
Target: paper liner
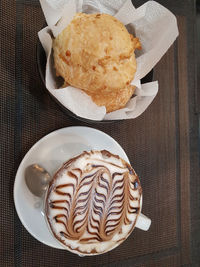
153	24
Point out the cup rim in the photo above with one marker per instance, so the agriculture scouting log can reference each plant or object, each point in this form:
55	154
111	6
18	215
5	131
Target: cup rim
67	247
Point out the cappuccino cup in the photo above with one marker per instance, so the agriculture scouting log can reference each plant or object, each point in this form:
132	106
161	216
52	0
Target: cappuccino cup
94	202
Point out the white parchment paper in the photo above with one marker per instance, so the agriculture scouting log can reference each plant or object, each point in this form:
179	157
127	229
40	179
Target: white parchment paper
153	24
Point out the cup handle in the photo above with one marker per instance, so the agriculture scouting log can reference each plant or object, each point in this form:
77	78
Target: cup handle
143	222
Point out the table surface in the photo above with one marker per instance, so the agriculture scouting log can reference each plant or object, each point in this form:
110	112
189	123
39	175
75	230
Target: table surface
162	145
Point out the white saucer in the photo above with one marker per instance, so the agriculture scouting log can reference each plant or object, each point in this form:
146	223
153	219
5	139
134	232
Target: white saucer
51	152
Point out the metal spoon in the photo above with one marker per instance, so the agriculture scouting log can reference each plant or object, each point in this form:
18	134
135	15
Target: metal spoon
37	179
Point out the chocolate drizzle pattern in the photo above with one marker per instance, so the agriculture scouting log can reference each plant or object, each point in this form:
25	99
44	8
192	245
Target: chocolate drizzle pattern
93	198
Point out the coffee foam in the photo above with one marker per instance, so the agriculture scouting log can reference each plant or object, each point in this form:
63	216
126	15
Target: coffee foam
93	202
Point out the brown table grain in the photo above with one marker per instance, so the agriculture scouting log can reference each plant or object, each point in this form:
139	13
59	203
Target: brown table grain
162	145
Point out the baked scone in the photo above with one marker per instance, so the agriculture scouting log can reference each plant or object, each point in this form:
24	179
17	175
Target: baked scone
95	53
113	100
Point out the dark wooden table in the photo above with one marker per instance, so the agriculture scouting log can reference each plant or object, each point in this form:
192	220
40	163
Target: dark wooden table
162	145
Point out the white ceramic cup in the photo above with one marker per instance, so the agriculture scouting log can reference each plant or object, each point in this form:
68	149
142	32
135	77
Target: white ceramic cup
141	221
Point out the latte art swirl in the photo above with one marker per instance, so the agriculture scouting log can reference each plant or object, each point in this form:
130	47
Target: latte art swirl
93	202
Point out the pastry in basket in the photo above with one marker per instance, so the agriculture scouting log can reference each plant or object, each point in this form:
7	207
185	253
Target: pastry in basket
113	100
95	53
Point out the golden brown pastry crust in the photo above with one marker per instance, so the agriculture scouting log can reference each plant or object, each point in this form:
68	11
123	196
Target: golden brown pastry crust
95	52
113	100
